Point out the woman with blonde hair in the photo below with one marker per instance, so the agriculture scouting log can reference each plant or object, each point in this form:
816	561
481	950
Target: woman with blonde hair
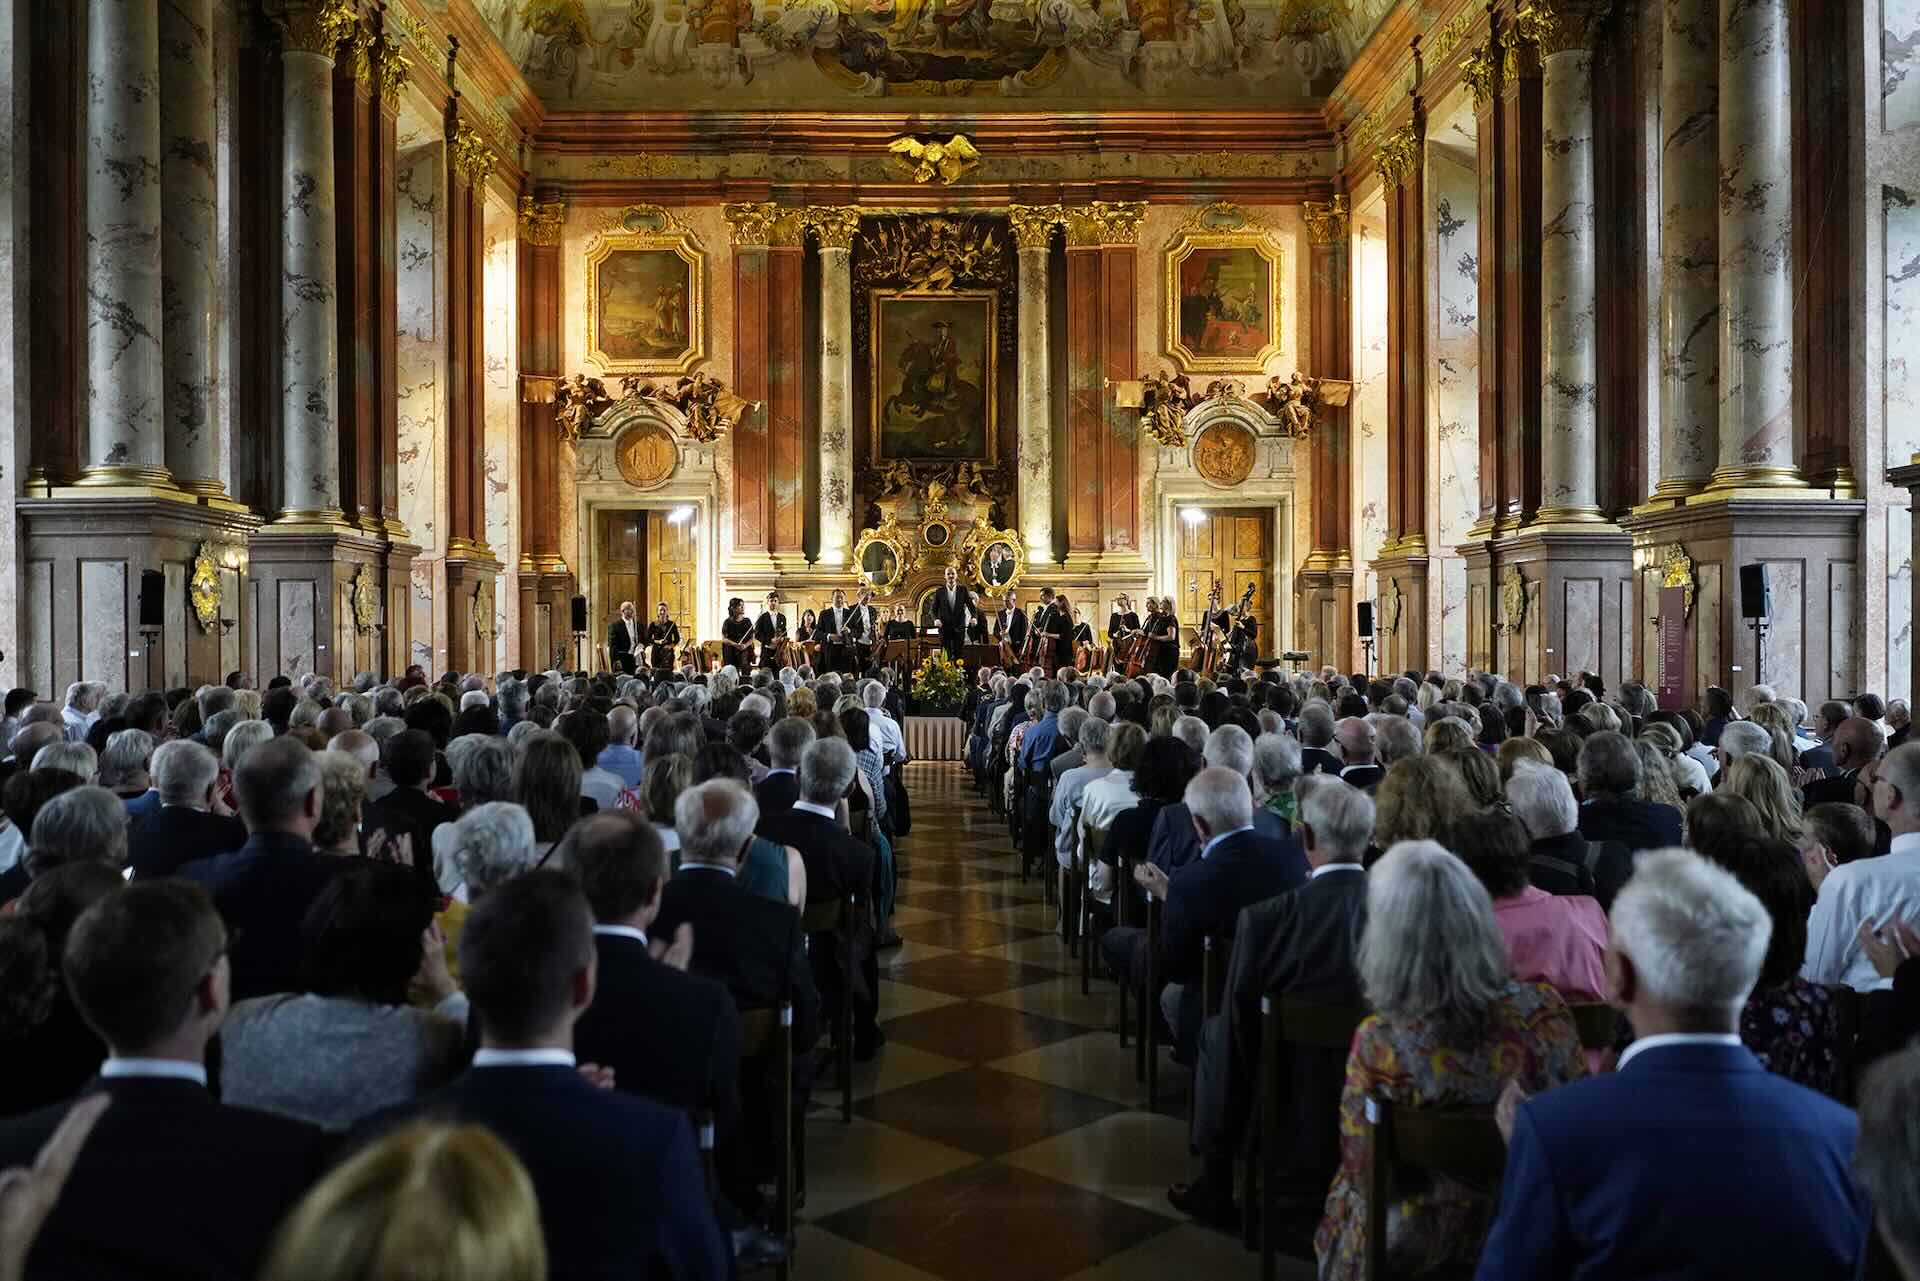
1448	734
427	1202
1160	720
1779	724
1417	800
1760	781
1657	783
801	703
1514	750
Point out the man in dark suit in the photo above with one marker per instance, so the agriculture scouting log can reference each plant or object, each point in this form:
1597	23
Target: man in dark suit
1173	843
619	1186
624	638
770	627
1237	868
787	743
184	827
1316	738
170	1182
837	865
1827	720
1357	758
1300	944
264	888
1609	780
1855	743
833	631
410	764
1649	1170
952	606
755	947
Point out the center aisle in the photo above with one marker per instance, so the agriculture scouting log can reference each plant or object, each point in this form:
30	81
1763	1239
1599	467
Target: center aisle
998	1135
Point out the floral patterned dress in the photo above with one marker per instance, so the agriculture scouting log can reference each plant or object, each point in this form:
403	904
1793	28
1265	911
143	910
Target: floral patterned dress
1530	1035
1792	1029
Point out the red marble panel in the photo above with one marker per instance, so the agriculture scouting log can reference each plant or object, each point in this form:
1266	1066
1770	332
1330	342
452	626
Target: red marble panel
58	282
1331	332
539	322
751	271
477	366
1518	310
1120	438
788	356
1495	462
1080	470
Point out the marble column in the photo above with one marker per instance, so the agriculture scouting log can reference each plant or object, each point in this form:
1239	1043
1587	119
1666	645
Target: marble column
1689	247
1033	237
1756	222
126	443
309	449
836	402
1569	425
187	246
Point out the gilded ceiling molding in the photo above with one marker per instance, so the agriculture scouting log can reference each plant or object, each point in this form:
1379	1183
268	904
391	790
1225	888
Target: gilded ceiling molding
1481	69
948	161
472	158
1398	156
1327	222
1105	222
317	27
833	226
1449	37
391	61
1033	224
540	220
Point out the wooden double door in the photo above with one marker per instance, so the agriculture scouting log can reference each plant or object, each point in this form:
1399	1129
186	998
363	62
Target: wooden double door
1232	547
645	558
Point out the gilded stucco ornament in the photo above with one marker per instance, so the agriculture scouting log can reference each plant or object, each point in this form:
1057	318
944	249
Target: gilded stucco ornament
1513	601
1676	570
833	226
933	160
204	587
483	620
366	599
1327	222
1398	156
541	220
315	27
1391	602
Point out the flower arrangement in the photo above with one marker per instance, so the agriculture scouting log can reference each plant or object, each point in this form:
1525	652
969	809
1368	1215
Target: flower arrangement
939	682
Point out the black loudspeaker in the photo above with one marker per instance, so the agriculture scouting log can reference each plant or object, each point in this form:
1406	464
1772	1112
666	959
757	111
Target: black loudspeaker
1366	618
1756	599
579	613
153	598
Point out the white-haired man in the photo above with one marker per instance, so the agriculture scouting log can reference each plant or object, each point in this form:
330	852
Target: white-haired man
883	729
1563	861
1655	1169
1173	844
82	709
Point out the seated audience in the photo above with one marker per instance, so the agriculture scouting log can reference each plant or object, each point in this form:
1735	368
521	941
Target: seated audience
1638	1172
787	742
409	760
546	783
1451	1028
1888	1149
1870	891
770	870
1765	785
24	795
1173	845
1417	798
1612	807
1557	939
125	769
1562	861
482	771
185	826
619	1188
170	1182
78	825
665	778
349	1044
47	1051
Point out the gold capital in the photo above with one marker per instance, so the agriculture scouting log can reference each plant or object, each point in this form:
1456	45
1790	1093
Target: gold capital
1558	26
1105	222
1033	224
834	226
392	63
472	158
316	27
764	223
1398	156
1326	223
540	220
1481	69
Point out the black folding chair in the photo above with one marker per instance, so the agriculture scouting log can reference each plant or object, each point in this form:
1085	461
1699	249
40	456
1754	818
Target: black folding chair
1285	1023
824	916
764	1033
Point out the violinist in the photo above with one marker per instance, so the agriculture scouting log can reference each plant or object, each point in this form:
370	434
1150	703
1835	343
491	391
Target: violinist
663	640
1010	629
809	647
865	629
1163	629
736	637
1056	631
833	632
770	629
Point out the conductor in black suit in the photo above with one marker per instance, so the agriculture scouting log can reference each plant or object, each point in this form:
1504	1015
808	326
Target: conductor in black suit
170	1182
952	607
623	639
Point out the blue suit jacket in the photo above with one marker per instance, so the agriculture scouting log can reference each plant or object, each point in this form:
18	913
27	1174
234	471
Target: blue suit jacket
1694	1162
1174	844
1207	895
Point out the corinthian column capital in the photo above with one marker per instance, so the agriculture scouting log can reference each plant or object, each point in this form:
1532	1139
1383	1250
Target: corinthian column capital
313	26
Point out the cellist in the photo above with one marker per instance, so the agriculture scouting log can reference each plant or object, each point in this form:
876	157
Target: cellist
1163	629
1010	629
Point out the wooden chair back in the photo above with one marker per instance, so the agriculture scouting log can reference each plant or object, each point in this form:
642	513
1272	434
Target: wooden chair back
838	916
1463	1144
765	1033
1286	1022
1599	1024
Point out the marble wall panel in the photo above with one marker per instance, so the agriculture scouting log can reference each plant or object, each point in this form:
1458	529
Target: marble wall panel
17	648
420	281
1707	654
1623	628
1786	640
1899	63
38	674
173	636
1901	376
103	622
259	625
1534	630
501	408
1841	604
1581	602
294	618
1369	411
1451	573
1899	557
1453	381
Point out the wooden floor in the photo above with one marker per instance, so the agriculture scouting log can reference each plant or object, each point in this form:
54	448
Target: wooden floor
999	1134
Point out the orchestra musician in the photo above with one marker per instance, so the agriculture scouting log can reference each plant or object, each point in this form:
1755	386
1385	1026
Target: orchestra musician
1122	624
865	629
736	637
1010	629
1163	629
1080	640
1243	641
809	648
952	603
834	634
900	626
770	629
976	627
623	640
663	640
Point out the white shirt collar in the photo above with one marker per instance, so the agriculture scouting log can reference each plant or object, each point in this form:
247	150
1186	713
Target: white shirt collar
621	932
711	867
172	1069
779	769
523	1058
1208	847
1905	843
808	807
1348	769
1673	1038
1337	867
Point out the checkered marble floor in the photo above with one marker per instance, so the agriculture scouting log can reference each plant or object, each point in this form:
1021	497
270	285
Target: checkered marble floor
999	1135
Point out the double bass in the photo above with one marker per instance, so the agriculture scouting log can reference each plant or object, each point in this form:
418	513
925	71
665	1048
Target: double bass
1130	652
1206	653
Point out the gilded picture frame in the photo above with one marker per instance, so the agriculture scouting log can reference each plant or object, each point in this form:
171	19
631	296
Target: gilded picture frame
934	367
646	297
996	561
882	558
1226	307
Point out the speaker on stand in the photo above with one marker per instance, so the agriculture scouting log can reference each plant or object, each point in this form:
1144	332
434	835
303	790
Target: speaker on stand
579	610
1756	606
153	612
1363	612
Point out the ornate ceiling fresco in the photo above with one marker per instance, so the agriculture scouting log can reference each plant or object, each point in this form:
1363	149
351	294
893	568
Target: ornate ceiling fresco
679	55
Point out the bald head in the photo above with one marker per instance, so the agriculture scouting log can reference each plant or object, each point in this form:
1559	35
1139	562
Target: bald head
333	721
1857	741
1355	737
623	723
358	744
28	741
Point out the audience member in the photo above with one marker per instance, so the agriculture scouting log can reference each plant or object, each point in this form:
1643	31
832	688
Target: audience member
186	825
1562	861
47	1049
1870	891
1557	939
1612	808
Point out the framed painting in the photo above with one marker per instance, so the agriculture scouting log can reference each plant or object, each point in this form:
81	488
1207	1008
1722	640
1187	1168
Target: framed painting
646	301
933	369
1223	301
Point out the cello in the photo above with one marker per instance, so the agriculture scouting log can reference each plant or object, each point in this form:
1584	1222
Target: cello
1206	653
1138	646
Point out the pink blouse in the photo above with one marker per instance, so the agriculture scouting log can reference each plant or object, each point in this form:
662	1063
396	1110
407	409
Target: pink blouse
1556	939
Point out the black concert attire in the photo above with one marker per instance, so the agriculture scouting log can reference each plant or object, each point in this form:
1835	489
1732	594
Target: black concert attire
866	635
950	609
1010	626
976	629
1118	624
662	640
767	629
1082	635
1058	651
1164	630
1243	644
736	643
835	652
623	644
901	629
